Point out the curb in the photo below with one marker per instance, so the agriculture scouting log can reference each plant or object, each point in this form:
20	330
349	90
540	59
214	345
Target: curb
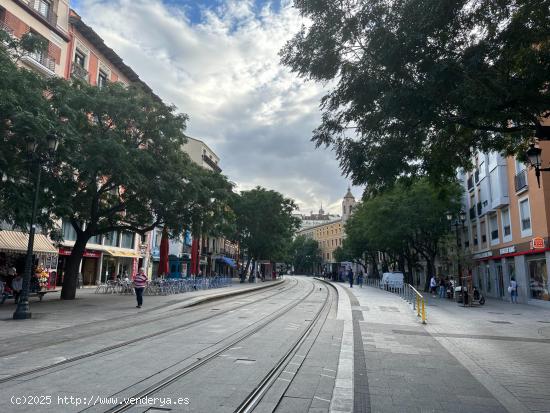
232	293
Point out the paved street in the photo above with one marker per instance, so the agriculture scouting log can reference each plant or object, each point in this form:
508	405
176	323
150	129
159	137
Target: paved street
296	346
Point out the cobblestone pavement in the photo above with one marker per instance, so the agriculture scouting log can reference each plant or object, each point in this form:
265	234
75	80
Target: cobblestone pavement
494	358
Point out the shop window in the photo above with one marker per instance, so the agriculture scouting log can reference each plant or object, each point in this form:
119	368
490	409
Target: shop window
538	280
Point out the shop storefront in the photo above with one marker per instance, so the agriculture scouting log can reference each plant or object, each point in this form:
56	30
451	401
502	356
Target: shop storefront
119	263
89	268
527	263
13	250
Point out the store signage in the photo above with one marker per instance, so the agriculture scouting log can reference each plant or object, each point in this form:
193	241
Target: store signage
507	250
537	243
483	255
87	253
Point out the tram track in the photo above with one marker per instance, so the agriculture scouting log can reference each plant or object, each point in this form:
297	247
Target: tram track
179	374
171	329
254	398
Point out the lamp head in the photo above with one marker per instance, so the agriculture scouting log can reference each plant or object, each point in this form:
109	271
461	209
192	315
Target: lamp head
31	146
449	216
53	142
533	155
462	215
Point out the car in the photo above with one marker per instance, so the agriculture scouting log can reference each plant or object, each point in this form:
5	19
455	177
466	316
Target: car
392	280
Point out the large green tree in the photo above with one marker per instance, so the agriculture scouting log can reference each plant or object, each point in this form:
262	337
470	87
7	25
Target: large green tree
265	224
422	84
119	167
305	255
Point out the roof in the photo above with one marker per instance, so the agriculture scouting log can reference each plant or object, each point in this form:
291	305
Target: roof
106	51
349	194
17	241
319	226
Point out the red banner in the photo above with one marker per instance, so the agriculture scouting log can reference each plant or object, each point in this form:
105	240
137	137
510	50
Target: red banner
87	253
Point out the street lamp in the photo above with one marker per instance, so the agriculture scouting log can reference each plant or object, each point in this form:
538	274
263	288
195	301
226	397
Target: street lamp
457	222
22	311
533	156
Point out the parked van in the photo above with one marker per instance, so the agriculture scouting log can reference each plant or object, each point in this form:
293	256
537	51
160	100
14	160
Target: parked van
392	280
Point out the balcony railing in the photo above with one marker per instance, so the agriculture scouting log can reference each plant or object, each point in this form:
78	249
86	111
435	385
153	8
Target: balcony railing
211	163
79	72
49	15
43	59
472	212
470	183
520	180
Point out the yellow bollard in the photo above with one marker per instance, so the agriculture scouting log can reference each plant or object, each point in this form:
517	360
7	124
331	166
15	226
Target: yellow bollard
418	306
423	312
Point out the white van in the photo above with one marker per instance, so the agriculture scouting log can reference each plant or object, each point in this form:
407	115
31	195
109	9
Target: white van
391	280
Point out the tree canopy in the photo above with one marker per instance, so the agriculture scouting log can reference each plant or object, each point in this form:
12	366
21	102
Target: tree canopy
305	254
405	222
422	84
265	224
119	167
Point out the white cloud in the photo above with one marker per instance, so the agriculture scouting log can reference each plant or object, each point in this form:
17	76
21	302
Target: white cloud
225	73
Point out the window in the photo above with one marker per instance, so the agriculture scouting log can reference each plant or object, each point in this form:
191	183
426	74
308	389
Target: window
42	7
96	239
111	239
102	78
483	230
79	58
127	240
525	217
520	166
350	208
506	228
69	234
493	225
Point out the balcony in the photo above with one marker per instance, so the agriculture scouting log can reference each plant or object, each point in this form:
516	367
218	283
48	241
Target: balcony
41	61
211	163
79	72
46	12
472	212
520	181
470	183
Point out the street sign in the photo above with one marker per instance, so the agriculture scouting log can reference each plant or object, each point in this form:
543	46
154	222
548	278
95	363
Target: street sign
537	243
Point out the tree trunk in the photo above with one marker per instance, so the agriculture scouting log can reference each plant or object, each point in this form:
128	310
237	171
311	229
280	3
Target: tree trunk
430	262
68	292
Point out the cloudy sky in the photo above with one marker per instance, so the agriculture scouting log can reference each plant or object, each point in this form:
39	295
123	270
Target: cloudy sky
217	61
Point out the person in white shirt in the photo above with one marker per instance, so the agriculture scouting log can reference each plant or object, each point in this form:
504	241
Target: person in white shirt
17	286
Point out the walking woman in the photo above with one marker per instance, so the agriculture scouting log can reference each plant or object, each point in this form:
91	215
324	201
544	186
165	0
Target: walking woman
513	289
140	281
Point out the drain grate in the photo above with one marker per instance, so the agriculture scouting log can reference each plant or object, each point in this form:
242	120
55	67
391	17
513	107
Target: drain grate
500	322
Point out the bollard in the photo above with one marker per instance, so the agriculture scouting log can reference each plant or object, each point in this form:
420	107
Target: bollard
423	312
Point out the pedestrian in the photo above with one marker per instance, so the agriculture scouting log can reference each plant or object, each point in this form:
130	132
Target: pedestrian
360	279
513	290
350	277
441	287
433	285
17	286
140	281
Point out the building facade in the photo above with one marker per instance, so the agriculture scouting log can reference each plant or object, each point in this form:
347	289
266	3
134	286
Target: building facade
313	219
508	227
330	235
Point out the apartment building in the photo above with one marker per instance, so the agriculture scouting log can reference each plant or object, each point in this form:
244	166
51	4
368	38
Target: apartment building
45	18
507	228
330	235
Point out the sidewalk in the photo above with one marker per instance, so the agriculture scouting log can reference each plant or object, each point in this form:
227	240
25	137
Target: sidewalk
407	369
55	314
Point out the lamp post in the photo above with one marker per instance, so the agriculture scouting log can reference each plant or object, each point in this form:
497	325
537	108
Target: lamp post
457	222
533	156
22	311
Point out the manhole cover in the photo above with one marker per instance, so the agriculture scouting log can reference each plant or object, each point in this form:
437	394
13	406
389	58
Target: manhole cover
500	322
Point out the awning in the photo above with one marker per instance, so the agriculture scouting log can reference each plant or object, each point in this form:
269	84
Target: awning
17	241
229	261
122	253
